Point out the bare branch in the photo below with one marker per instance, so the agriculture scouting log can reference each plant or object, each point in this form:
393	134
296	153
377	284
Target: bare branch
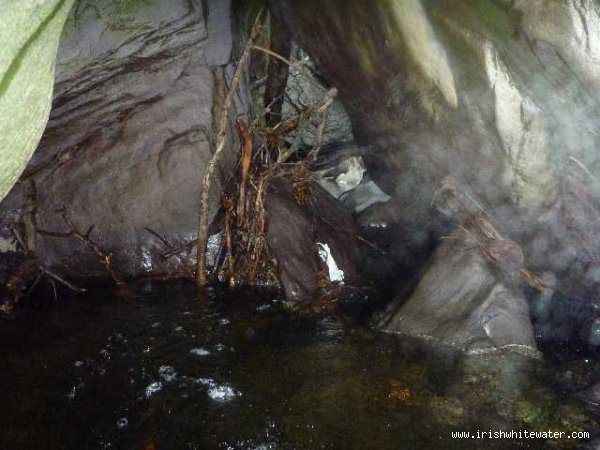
201	276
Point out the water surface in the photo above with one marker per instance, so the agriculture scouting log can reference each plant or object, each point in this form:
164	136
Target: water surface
162	370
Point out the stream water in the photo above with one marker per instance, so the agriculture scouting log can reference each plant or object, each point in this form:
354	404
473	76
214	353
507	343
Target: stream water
161	370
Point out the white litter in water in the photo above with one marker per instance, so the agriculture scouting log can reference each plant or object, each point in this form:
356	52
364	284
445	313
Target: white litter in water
199	352
153	388
104	353
167	373
335	274
221	393
78	363
122	422
260	308
224	321
219	347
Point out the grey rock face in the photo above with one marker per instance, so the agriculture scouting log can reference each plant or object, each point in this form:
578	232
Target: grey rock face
501	96
130	130
467	298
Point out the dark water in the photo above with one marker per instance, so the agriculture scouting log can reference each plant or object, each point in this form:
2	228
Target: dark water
163	371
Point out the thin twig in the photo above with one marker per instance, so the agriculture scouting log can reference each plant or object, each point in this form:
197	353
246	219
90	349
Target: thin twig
292	64
42	270
170	247
61	280
104	258
201	276
327	101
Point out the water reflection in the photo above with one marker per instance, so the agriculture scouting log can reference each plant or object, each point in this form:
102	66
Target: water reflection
240	371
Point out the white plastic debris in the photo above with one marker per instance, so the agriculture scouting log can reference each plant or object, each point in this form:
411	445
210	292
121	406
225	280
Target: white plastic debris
335	274
122	422
353	176
350	172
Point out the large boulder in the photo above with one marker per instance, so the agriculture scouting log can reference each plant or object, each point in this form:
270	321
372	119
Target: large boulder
137	87
469	296
501	96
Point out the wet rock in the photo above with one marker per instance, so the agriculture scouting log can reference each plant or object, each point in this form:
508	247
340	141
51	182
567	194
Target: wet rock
130	129
498	95
301	92
468	297
293	231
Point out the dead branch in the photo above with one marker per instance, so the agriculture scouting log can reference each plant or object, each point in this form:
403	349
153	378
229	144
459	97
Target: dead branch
293	64
201	276
29	269
278	71
73	233
247	147
170	247
286	127
327	101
